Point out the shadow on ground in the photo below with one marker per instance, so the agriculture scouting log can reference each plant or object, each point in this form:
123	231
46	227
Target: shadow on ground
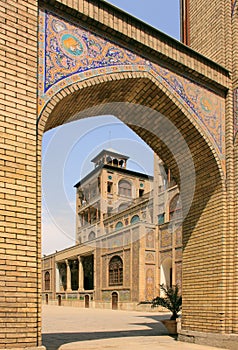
52	341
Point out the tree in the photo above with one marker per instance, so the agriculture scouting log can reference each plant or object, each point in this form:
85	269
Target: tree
171	301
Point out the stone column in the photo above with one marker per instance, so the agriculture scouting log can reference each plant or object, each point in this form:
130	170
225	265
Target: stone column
68	288
81	274
57	278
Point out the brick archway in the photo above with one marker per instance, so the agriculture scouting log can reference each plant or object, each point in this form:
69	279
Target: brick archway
159	74
63	107
126	96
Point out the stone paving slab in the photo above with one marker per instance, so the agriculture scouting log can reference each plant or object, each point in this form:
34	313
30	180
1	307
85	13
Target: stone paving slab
69	328
137	343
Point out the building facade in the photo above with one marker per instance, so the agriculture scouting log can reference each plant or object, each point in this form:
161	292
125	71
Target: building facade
128	238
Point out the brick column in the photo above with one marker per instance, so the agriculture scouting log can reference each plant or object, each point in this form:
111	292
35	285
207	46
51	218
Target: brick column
20	276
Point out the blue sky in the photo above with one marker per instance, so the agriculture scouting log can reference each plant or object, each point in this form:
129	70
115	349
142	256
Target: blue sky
68	150
161	14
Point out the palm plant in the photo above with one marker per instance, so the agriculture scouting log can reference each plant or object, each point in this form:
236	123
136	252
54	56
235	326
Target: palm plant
171	301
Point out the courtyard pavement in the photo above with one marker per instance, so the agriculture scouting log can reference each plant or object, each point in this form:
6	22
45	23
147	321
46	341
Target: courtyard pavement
71	328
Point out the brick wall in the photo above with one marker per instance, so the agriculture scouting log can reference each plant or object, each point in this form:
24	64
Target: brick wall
19	298
210	29
235	86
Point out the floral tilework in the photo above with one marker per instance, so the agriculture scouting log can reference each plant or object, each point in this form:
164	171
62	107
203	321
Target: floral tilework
149	283
150	239
166	238
69	53
150	257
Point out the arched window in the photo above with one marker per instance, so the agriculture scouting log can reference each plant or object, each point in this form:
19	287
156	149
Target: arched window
123	206
124	188
115	162
135	219
175	208
115	271
119	225
47	281
91	236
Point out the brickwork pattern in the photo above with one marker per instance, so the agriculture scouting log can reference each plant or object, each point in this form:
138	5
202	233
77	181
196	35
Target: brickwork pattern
208	236
235	310
20	255
209	25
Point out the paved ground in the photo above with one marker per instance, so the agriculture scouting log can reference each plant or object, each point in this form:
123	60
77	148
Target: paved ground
68	328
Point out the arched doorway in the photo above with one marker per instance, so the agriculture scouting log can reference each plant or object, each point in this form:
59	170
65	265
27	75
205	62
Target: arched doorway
114	301
47	280
86	301
167	134
166	272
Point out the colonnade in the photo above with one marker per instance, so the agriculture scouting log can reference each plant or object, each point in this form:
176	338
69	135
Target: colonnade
64	275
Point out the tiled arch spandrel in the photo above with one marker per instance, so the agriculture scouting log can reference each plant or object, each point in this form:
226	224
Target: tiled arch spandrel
70	53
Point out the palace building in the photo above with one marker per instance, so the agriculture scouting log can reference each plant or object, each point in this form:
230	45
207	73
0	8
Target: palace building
128	238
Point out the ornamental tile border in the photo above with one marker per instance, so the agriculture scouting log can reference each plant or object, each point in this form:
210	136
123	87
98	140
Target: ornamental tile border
70	53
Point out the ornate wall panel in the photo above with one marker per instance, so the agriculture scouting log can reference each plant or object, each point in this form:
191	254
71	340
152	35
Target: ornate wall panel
150	239
127	268
70	53
149	257
166	238
150	282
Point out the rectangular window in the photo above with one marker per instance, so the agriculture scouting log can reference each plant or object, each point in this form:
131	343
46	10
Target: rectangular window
161	219
99	185
109	187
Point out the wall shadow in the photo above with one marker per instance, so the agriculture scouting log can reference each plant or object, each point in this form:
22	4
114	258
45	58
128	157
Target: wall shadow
52	341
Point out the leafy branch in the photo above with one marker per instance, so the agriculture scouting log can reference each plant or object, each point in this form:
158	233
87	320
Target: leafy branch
171	301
